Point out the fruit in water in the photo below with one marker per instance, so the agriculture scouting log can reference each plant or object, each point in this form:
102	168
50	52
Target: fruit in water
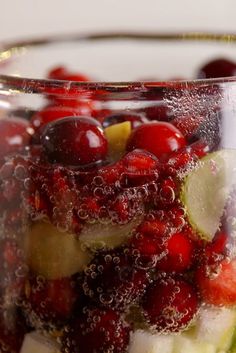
15	133
159	138
117	136
55	112
99	331
179	250
52	253
217	68
184	344
35	342
146	342
139	167
206	189
217	284
75	141
216	325
52	300
170	305
111	280
108	236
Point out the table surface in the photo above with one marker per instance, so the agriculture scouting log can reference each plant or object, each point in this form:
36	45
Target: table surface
27	18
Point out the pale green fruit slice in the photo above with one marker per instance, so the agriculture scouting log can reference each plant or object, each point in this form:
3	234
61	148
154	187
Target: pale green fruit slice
52	253
184	344
206	189
145	342
117	136
35	342
108	236
216	326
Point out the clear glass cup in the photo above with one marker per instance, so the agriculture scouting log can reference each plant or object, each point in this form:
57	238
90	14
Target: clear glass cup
122	240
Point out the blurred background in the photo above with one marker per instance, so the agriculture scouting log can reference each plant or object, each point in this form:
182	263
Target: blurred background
27	18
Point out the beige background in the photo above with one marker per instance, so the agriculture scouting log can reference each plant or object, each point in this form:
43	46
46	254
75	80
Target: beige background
23	18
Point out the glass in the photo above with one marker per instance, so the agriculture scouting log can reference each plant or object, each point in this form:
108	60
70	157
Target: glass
117	223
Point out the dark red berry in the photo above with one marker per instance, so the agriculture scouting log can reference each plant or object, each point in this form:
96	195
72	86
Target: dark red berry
111	280
217	68
15	133
170	305
134	118
75	141
98	331
52	300
159	138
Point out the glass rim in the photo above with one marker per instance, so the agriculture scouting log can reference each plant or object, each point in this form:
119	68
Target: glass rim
62	87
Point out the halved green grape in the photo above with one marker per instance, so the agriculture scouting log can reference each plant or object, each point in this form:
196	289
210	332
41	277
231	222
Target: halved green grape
206	189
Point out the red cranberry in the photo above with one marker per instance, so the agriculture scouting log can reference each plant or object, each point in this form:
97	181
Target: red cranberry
179	252
185	157
217	283
74	141
188	125
140	167
217	68
111	280
212	253
159	138
148	237
157	112
62	73
170	305
55	112
134	118
154	244
14	135
98	331
52	300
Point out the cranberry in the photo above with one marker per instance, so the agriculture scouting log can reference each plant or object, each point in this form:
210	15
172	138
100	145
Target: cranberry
140	167
62	73
185	157
217	284
179	252
74	141
217	68
98	331
111	280
148	238
170	305
157	112
188	125
212	253
14	135
159	138
52	300
55	112
134	118
168	252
